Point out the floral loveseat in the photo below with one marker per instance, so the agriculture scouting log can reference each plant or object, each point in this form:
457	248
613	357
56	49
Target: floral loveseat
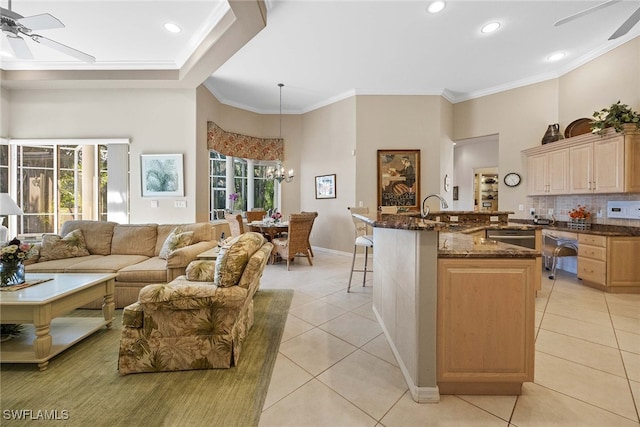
200	320
140	254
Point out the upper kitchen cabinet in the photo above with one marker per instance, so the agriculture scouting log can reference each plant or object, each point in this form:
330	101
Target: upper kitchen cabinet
548	172
587	163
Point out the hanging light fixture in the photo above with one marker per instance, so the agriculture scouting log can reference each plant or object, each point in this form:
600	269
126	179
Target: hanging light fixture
279	173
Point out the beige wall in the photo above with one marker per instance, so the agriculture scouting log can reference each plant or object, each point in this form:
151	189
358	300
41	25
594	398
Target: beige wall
397	122
520	118
156	121
233	119
329	141
4	112
600	83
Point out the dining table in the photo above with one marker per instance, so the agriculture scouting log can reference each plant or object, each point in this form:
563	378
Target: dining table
269	229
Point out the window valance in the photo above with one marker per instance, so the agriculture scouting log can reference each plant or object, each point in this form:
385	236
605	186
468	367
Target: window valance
247	147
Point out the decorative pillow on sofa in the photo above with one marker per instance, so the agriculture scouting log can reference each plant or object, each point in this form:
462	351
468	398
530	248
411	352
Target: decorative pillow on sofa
57	247
201	270
233	258
175	240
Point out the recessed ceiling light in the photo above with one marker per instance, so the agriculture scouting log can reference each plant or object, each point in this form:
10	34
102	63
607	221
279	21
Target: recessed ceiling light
556	56
436	6
490	28
172	28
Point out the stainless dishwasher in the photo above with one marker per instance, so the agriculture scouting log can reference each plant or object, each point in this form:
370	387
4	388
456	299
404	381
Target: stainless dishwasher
526	238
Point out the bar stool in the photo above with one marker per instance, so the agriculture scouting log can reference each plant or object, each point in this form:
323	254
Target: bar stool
362	239
554	247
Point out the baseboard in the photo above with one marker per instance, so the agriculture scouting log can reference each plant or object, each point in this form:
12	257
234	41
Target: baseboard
419	394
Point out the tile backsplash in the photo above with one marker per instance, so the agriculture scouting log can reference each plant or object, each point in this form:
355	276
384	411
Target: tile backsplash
596	203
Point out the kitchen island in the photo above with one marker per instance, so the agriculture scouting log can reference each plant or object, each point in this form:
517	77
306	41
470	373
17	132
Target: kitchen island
456	309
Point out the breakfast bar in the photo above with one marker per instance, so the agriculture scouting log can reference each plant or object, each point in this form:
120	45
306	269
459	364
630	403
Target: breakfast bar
456	309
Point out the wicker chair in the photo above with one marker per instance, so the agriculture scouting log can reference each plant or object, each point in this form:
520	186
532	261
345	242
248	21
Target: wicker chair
256	215
297	241
235	224
314	215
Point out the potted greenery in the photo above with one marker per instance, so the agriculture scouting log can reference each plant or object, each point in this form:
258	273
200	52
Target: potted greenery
616	116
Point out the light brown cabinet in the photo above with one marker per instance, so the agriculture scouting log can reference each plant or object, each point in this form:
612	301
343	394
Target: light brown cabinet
485	324
609	263
586	164
598	167
548	172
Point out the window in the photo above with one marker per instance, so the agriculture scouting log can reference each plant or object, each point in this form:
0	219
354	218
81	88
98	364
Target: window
247	178
54	183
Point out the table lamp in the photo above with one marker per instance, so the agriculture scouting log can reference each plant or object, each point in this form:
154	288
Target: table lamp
7	207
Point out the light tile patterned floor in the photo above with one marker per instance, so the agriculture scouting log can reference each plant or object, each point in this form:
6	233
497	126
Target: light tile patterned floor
336	369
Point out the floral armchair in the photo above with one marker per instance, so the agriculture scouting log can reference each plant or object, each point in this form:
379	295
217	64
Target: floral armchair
200	320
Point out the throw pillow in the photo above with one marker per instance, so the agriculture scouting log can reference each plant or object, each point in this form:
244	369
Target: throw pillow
201	271
57	247
233	258
175	240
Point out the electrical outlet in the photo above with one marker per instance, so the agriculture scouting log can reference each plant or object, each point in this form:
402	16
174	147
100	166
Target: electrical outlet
180	204
550	212
521	208
599	213
532	211
360	204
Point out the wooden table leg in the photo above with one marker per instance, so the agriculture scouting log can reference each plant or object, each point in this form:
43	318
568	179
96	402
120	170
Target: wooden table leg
108	305
42	343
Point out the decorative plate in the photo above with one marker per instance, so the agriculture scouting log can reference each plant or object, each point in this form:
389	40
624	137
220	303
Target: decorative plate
578	127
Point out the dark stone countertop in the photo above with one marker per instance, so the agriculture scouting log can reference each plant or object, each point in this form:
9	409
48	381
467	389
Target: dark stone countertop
454	239
597	229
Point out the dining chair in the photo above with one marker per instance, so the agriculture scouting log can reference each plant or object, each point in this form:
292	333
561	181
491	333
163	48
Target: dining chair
256	215
236	225
314	215
364	239
297	241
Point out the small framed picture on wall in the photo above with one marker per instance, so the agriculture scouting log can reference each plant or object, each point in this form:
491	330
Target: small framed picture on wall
326	186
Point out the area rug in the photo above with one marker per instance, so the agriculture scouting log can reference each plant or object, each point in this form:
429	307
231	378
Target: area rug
83	387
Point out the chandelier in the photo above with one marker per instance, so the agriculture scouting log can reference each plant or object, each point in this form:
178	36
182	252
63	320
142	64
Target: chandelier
278	173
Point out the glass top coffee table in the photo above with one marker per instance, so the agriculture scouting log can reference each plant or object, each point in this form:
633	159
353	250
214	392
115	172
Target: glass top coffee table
40	308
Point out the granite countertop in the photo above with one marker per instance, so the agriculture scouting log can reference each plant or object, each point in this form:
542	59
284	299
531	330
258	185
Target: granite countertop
454	244
597	229
460	245
402	222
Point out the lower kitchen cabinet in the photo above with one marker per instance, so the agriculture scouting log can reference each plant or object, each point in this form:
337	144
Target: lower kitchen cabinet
609	263
485	324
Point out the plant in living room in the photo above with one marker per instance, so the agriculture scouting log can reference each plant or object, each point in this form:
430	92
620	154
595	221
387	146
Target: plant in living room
616	116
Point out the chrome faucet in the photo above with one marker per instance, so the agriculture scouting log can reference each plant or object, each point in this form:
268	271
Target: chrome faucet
425	211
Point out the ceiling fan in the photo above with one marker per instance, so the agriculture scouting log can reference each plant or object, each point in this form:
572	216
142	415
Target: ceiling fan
621	31
17	27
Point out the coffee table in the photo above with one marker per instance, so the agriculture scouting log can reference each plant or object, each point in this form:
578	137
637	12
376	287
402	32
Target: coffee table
41	307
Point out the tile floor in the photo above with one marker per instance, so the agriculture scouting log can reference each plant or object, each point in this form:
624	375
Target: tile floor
336	369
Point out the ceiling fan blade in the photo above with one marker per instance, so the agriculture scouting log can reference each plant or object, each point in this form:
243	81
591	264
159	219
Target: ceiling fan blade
627	25
586	12
63	48
19	46
43	21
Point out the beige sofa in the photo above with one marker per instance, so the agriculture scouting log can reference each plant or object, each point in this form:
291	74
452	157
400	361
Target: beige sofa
130	250
200	320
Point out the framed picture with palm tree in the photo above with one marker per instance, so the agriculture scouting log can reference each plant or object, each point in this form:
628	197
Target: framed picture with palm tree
162	175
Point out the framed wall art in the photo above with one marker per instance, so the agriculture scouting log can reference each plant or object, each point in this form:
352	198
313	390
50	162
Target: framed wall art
399	178
326	186
162	175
